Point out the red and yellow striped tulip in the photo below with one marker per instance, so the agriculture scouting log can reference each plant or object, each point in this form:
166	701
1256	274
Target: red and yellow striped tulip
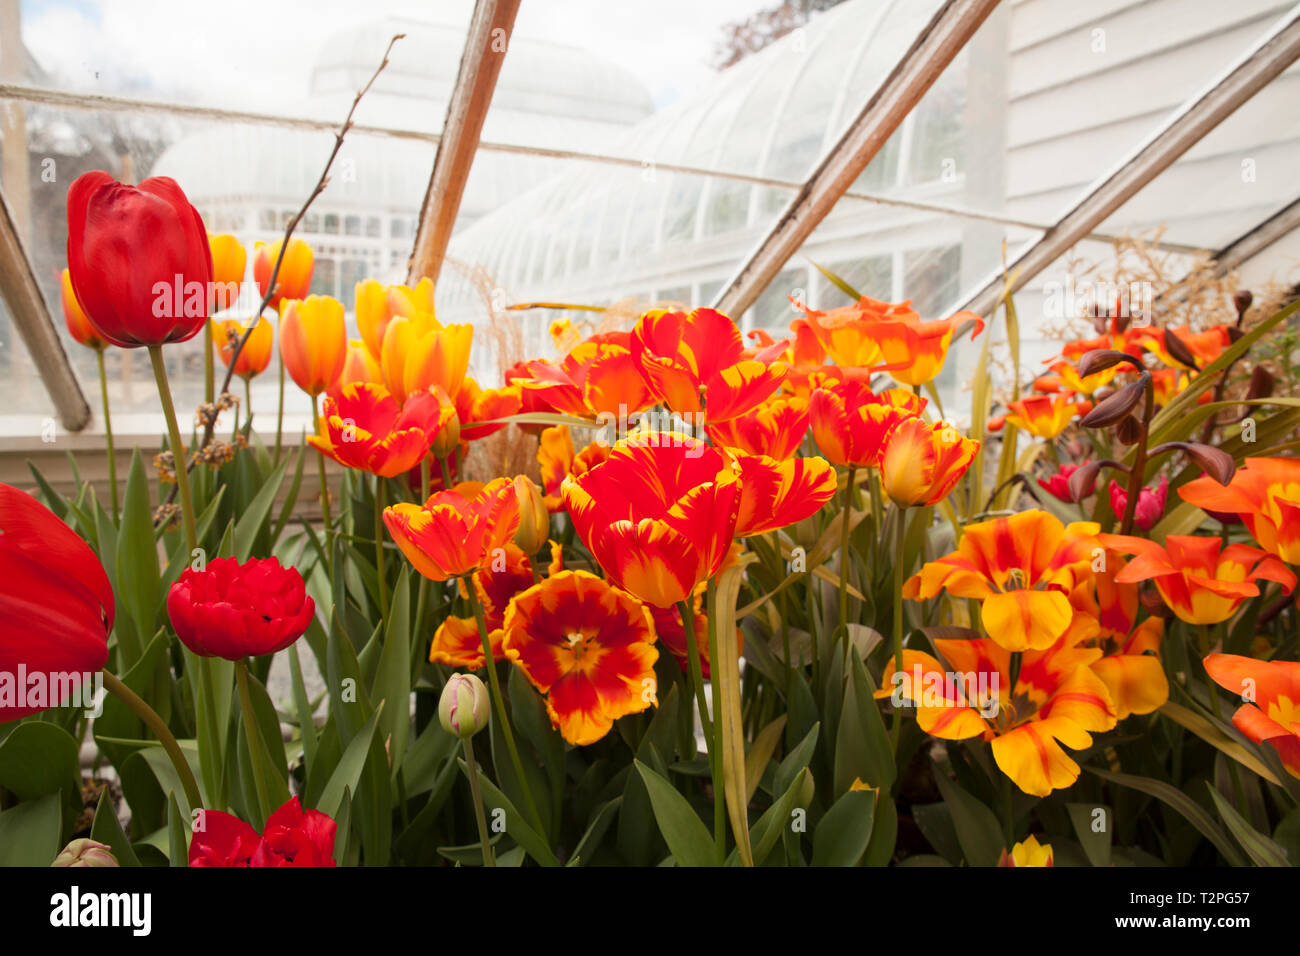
596	378
588	647
558	460
456	643
228	263
451	534
363	427
255	356
1044	416
1200	580
775	494
293	281
851	423
1265	493
1022	569
1270	713
313	341
775	428
922	462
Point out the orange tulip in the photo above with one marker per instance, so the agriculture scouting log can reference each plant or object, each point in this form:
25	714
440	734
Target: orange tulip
775	428
1022	569
313	341
228	262
846	334
588	647
692	360
1199	582
1072	382
457	643
1055	701
364	428
1168	383
851	423
658	514
450	534
78	325
1271	710
255	356
597	378
358	366
419	352
293	281
1265	493
1205	346
475	405
557	458
378	304
774	494
922	463
1028	853
1044	416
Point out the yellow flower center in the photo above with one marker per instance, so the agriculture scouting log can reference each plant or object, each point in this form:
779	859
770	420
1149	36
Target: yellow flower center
1285	711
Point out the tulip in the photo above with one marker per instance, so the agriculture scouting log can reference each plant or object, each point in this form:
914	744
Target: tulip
378	304
313	341
1041	415
1071	381
255	356
776	428
598	378
56	604
1265	494
1270	712
688	360
922	463
1200	580
557	458
475	406
463	708
588	647
1150	506
851	423
534	520
365	428
658	515
1182	348
774	494
457	642
86	853
228	261
138	259
359	366
1058	484
451	535
292	837
236	610
1022	569
419	352
293	281
1028	852
79	326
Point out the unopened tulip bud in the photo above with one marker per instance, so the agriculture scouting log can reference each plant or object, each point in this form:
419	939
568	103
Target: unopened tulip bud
447	440
1242	300
463	709
534	520
83	852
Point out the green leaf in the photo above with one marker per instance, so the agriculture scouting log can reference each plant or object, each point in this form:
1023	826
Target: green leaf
252	520
347	774
1258	847
139	586
392	682
776	818
862	748
29	832
106	829
178	828
796	760
291	497
39	758
1191	811
596	831
977	828
760	754
689	841
836	281
1095	843
517	827
843	833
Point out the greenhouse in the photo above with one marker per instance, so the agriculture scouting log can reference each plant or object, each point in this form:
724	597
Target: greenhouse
762	433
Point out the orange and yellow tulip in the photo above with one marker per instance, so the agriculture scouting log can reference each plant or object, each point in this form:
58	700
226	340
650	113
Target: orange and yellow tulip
775	428
1200	580
1044	416
451	534
363	427
588	647
293	281
922	462
378	304
228	262
419	352
1028	852
1022	569
658	514
313	341
457	643
596	378
1055	701
1205	346
79	326
475	406
358	366
1265	493
558	459
851	423
696	360
1270	691
255	356
774	494
1070	380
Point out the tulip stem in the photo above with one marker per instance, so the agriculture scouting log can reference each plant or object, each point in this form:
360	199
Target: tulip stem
489	661
108	432
248	403
209	368
279	415
1213	688
379	547
254	737
446	473
179	460
716	744
899	535
423	494
160	730
845	515
1137	476
477	793
696	667
324	484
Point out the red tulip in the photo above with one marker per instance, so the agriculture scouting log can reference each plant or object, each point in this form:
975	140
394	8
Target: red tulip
1150	506
139	259
235	610
292	837
56	605
1058	484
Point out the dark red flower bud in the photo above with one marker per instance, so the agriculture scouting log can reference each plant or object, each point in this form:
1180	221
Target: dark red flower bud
1117	406
1128	431
235	610
1098	360
1215	462
1241	302
1261	383
1179	349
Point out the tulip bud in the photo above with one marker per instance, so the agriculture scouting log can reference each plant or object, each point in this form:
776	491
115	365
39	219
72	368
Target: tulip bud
1177	348
1215	462
1117	406
463	709
1098	360
1128	431
447	440
1261	383
83	852
807	792
1241	302
534	520
1082	480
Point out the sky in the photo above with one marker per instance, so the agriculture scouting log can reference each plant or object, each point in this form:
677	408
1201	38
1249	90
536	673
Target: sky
256	54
